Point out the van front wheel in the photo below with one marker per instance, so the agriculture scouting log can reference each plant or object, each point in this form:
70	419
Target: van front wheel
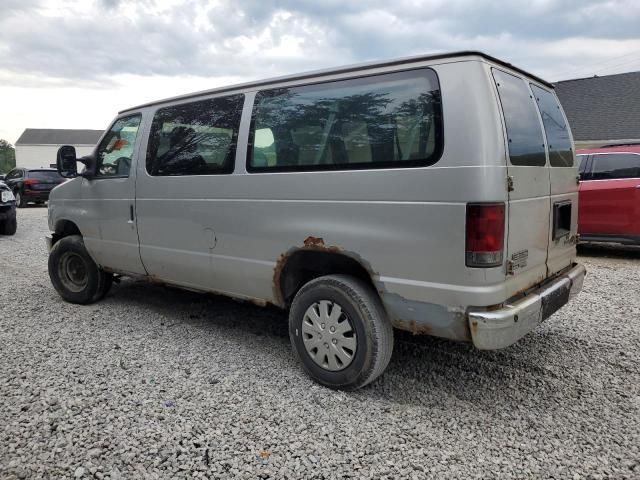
340	332
74	274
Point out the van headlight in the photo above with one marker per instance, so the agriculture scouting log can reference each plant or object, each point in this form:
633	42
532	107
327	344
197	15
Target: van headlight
7	196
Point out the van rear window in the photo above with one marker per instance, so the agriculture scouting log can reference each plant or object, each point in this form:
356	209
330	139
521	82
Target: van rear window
381	121
555	127
526	144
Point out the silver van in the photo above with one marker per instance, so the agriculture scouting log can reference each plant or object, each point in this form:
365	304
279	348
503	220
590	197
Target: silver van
434	194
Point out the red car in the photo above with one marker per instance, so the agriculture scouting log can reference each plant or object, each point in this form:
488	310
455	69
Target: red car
609	194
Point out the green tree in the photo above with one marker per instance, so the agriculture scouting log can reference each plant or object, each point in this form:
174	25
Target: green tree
7	156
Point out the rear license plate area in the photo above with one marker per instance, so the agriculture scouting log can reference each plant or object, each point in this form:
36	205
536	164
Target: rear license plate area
555	299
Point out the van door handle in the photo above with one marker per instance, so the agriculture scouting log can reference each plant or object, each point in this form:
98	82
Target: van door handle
130	221
638	186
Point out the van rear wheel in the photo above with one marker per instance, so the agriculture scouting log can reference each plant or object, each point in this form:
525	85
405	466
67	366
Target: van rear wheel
340	332
74	274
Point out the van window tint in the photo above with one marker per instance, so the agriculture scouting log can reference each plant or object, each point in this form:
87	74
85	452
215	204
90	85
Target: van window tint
555	127
526	145
116	149
381	121
615	165
197	138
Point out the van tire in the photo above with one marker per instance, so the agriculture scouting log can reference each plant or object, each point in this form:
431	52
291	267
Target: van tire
363	309
105	286
74	274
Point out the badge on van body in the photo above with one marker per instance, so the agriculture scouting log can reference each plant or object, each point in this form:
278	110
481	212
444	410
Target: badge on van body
518	261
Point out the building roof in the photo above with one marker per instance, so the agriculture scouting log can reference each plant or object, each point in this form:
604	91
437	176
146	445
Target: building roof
602	108
345	69
58	136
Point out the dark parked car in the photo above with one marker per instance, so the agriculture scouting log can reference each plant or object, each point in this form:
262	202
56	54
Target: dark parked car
32	185
8	223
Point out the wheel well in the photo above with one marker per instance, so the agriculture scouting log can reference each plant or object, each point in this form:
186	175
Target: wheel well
65	228
303	266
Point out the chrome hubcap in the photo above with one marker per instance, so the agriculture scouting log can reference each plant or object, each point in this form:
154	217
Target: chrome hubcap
328	335
73	272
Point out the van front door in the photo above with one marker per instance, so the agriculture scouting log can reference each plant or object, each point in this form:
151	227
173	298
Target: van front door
528	181
108	200
189	158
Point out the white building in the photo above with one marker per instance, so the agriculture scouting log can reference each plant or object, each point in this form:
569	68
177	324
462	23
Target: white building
37	147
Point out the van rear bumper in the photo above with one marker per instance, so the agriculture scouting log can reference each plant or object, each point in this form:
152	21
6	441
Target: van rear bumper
500	328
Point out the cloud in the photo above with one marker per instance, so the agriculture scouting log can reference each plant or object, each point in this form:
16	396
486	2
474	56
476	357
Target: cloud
74	63
90	42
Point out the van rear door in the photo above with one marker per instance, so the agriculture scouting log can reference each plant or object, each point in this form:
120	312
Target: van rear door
563	179
529	209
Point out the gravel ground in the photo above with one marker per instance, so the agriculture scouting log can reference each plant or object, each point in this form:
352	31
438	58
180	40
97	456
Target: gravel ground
159	383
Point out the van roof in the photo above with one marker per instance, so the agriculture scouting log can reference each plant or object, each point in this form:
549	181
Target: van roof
344	69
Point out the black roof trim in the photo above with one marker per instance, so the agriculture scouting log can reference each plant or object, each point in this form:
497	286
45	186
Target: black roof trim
344	69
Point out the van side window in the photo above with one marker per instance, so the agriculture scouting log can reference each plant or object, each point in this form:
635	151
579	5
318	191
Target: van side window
197	138
526	145
555	127
116	149
615	166
382	121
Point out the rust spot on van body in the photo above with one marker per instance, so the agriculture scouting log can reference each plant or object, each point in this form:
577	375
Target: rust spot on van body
317	243
474	327
155	280
412	326
310	243
277	273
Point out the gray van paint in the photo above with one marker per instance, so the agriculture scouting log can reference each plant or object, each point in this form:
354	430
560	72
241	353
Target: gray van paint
232	234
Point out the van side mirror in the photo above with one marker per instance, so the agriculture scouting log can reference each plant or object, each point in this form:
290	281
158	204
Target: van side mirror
66	162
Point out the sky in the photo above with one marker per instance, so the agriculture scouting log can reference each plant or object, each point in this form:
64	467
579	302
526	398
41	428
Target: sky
75	64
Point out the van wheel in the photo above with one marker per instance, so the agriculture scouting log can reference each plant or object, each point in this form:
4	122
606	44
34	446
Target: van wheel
340	332
105	286
74	274
8	227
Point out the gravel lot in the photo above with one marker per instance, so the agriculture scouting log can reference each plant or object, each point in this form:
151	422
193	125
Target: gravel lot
159	383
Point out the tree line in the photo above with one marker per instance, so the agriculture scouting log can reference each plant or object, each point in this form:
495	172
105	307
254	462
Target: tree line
7	156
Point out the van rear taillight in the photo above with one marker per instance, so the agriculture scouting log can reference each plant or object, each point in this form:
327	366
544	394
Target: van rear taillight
485	234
